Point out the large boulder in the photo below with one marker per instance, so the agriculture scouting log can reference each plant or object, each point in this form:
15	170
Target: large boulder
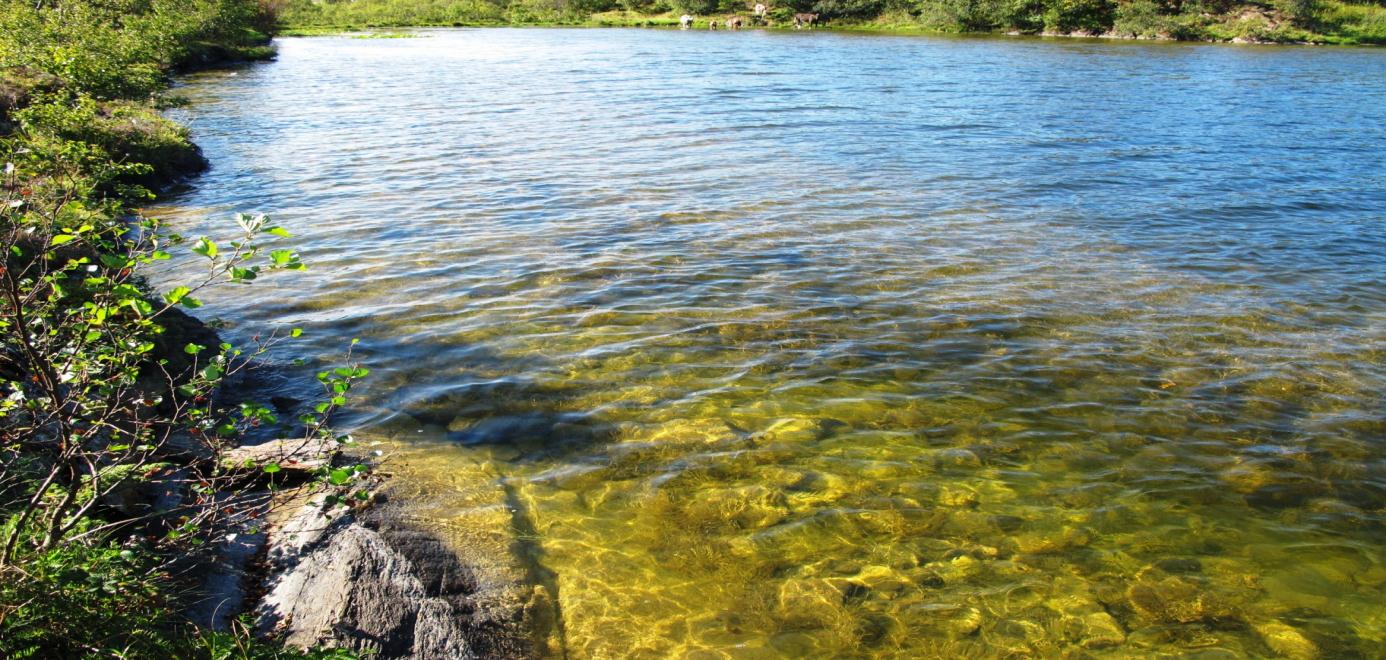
367	581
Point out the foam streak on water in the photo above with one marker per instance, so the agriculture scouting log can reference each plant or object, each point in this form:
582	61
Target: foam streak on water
810	344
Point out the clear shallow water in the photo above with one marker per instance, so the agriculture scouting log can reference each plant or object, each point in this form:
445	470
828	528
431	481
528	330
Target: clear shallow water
818	344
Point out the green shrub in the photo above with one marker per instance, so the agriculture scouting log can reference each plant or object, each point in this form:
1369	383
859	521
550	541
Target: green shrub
1094	16
101	377
1143	18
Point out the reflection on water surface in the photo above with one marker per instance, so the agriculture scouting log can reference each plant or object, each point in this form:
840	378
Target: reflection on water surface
822	345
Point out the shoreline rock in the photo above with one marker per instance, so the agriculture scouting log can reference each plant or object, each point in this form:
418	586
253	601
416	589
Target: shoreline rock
369	581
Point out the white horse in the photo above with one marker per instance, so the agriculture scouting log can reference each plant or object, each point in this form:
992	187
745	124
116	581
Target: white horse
685	22
760	10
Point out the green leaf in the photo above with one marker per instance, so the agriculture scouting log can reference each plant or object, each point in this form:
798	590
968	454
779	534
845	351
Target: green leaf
339	477
279	231
250	224
193	349
206	247
271	468
114	261
283	258
191	302
141	306
176	295
61	239
296	332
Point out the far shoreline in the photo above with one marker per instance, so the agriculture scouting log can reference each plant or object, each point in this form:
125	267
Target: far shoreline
659	23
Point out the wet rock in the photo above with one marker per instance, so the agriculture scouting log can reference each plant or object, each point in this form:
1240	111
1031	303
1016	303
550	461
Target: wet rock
1286	642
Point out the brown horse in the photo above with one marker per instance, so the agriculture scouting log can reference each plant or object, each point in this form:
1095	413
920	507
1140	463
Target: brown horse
734	23
712	24
801	20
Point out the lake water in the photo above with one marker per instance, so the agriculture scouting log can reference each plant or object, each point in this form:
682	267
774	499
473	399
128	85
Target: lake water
808	344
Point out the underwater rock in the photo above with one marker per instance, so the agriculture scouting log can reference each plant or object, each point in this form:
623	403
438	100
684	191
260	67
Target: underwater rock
748	507
681	431
1179	565
957	458
1039	543
882	580
1247	477
959	496
1101	631
1007	523
967	621
798	429
1286	641
955	570
1015	637
1174	599
808	603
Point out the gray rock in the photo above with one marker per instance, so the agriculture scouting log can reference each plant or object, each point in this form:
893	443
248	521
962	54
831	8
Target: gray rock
296	454
368	582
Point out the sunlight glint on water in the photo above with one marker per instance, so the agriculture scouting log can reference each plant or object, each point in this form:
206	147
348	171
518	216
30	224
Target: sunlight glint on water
823	345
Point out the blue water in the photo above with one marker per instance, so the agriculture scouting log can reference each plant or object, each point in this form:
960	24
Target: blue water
798	344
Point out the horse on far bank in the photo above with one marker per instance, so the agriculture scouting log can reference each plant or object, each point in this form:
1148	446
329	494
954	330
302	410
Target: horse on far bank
734	23
685	22
805	20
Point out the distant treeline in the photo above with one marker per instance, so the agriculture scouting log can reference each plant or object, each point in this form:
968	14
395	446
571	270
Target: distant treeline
1319	21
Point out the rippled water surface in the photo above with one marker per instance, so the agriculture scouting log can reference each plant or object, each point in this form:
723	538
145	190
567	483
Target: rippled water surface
826	345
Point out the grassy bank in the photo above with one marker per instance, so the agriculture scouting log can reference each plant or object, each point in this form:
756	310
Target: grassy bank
111	493
1276	21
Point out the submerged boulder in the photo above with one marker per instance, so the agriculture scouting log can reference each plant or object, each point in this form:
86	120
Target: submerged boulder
1286	642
